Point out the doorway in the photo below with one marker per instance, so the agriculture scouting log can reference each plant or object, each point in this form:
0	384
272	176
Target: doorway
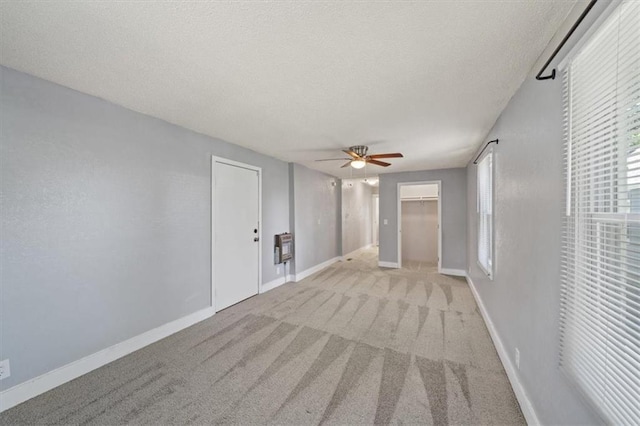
236	212
419	219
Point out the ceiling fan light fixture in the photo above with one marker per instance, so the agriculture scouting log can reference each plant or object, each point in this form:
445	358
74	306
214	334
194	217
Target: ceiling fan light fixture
358	164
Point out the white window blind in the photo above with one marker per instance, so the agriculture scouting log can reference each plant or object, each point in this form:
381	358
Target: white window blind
485	213
600	294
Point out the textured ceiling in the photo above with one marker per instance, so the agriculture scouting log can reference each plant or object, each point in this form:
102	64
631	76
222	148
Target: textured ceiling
296	80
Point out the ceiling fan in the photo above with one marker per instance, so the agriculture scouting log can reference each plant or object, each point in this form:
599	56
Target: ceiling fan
359	157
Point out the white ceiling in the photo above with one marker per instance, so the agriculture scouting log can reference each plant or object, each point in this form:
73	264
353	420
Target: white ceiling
296	80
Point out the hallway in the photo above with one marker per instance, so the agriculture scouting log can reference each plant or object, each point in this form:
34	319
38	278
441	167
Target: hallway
351	344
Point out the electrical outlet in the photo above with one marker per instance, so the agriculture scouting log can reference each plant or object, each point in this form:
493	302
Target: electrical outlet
5	369
278	270
385	221
518	358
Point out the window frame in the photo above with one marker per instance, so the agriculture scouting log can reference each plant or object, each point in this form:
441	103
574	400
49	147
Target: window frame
570	321
488	270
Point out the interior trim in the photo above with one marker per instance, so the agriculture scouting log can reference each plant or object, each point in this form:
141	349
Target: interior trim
512	373
54	378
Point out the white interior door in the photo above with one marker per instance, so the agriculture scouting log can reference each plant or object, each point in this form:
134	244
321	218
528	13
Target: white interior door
236	261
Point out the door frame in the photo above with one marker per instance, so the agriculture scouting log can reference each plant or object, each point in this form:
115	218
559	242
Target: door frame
221	160
399	220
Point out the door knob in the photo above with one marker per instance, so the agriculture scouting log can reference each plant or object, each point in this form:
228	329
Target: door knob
256	239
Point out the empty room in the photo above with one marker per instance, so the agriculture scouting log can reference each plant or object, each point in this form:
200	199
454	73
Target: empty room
320	212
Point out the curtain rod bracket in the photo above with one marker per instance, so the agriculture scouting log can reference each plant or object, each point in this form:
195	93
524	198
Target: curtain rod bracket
485	147
552	76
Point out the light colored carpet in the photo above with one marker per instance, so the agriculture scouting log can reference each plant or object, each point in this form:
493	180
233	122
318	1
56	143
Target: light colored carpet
352	344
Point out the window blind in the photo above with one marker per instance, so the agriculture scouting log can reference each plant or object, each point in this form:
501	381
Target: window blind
485	213
600	292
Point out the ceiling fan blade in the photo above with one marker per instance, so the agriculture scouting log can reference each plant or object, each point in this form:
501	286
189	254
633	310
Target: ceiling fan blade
346	165
379	163
351	153
335	159
390	155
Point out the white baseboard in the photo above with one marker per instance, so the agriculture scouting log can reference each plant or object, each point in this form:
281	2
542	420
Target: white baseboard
304	274
521	394
47	381
272	284
455	272
275	283
355	252
388	264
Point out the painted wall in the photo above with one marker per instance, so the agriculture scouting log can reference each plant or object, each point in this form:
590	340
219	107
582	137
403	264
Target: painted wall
105	222
454	217
523	298
420	231
356	214
375	224
317	217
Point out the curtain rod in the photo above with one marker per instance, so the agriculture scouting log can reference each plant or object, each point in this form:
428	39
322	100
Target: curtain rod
485	147
562	43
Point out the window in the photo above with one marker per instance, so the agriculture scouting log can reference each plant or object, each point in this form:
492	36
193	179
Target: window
600	294
485	213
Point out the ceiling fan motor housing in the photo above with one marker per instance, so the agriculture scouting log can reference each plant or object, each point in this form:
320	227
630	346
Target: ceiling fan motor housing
361	150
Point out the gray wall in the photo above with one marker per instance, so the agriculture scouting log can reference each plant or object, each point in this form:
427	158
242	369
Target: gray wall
356	214
523	298
454	219
106	222
317	217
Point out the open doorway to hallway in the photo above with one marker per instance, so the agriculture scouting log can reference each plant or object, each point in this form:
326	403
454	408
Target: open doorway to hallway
359	214
419	242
